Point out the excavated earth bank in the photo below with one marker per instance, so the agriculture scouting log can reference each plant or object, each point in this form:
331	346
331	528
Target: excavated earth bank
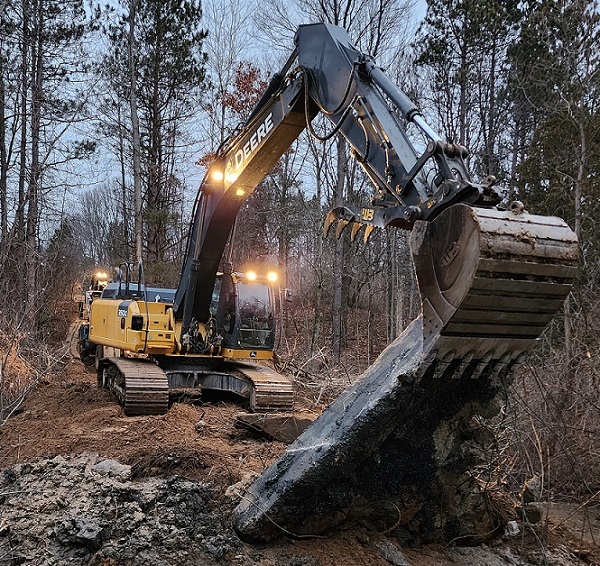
81	484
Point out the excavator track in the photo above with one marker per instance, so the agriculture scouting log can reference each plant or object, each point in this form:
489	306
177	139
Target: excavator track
270	391
263	388
141	387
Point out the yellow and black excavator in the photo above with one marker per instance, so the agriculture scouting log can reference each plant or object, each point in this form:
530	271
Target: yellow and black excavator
142	353
191	339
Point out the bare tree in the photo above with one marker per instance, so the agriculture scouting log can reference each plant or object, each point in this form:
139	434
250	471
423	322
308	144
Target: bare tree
226	46
132	56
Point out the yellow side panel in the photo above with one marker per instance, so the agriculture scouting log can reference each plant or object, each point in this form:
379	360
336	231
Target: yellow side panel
247	354
105	326
110	325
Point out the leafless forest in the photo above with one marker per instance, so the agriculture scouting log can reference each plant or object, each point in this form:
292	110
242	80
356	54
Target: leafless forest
108	115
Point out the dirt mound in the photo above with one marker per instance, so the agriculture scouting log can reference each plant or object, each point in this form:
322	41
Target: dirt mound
88	510
68	414
83	484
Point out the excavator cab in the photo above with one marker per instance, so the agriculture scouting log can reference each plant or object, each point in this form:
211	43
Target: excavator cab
243	305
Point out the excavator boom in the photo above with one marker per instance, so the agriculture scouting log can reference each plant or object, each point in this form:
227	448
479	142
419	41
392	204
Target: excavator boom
327	76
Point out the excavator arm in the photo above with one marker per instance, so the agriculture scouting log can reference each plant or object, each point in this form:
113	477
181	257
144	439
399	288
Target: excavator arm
325	75
490	281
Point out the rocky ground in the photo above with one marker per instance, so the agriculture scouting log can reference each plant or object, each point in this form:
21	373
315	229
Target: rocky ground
80	483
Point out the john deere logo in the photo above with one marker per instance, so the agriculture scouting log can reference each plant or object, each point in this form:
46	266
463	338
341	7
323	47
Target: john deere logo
243	153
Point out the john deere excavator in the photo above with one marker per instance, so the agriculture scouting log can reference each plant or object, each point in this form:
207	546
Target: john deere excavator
491	278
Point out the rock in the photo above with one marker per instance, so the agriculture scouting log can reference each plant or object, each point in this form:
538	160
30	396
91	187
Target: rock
57	461
235	490
90	535
200	426
512	529
363	449
533	512
532	490
113	468
390	553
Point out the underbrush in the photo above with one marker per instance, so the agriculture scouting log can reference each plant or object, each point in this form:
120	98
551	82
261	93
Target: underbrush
24	361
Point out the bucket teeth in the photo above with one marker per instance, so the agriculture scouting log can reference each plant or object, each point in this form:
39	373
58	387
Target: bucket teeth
501	366
329	220
467	359
340	228
443	364
368	230
482	365
356	228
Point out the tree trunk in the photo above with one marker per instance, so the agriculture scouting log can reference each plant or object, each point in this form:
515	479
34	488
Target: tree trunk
338	258
514	160
135	128
26	38
462	118
3	157
392	288
491	133
580	177
125	246
33	189
154	224
577	205
318	297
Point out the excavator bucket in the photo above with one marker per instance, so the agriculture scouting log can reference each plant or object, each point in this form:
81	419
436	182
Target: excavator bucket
397	448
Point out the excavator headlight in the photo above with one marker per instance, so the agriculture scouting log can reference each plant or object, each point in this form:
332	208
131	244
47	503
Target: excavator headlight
217	175
272	276
251	275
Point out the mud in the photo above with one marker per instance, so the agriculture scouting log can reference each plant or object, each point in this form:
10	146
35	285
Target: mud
80	483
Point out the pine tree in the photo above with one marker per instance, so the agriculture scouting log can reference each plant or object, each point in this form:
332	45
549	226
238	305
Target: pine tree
169	75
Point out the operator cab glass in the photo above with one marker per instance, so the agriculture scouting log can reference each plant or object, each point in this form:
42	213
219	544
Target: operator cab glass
154	294
244	311
214	303
257	329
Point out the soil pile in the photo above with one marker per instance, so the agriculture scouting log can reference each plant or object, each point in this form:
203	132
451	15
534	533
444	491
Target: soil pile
80	483
88	510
